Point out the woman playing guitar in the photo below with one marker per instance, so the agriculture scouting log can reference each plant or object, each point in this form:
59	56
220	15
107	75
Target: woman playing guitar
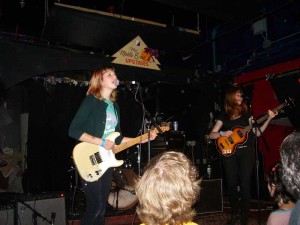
97	117
237	148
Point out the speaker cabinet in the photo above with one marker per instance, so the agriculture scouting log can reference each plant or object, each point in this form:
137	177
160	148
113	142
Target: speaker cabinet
211	197
7	215
33	209
43	209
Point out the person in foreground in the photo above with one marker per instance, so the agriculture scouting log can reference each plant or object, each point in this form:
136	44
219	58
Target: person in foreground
167	190
284	200
239	164
97	117
290	158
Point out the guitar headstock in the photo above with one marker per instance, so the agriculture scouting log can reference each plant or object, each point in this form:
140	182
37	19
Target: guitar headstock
163	128
290	102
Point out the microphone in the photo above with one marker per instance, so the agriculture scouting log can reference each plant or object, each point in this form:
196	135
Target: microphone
53	215
247	99
126	82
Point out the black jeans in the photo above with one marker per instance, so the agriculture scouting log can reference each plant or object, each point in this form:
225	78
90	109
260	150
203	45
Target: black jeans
96	194
238	170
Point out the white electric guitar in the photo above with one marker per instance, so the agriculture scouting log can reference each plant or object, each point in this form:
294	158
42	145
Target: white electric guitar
92	160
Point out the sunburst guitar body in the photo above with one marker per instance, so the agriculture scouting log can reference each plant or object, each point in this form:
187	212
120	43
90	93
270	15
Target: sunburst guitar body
227	145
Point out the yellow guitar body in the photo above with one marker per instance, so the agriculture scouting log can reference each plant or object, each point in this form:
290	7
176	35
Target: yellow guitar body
92	160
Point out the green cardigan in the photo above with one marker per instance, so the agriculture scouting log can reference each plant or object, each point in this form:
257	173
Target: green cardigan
91	118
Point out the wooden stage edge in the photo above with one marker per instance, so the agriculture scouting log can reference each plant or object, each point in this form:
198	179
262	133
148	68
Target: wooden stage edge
114	220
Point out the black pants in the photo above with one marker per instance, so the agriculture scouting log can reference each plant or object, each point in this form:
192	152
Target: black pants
238	170
96	194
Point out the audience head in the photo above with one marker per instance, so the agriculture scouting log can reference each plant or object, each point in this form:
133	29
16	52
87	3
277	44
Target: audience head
278	190
168	190
290	158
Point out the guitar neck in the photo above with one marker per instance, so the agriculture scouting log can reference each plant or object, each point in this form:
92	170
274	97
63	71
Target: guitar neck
128	144
264	117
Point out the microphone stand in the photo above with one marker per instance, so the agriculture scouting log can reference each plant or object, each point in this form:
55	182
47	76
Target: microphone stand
37	214
150	119
257	128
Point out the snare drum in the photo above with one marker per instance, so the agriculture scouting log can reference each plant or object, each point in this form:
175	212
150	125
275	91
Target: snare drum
124	198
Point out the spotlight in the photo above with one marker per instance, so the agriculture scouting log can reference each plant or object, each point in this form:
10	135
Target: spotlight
22	3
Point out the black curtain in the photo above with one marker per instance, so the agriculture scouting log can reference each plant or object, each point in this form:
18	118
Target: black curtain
51	109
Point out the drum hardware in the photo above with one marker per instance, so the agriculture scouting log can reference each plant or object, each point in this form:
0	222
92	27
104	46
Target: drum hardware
207	139
119	178
192	144
127	164
175	125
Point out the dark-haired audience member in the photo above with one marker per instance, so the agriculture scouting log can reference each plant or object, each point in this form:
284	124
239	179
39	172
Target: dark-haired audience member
284	200
290	158
167	190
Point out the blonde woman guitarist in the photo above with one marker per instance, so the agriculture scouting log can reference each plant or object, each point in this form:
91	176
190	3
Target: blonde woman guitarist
97	118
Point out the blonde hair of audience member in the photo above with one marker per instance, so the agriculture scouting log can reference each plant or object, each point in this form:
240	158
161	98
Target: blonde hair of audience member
168	190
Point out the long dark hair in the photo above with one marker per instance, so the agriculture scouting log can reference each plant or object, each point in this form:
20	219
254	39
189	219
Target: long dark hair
230	105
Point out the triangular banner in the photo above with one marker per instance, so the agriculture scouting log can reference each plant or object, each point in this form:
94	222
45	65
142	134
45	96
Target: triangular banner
136	53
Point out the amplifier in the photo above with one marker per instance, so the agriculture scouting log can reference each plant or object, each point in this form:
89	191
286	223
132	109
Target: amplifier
35	209
211	197
7	215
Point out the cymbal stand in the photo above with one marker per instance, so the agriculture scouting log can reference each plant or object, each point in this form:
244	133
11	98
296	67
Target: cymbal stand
139	159
73	188
192	144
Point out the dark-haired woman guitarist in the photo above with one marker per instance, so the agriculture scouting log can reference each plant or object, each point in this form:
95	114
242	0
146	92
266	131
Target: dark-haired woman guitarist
239	161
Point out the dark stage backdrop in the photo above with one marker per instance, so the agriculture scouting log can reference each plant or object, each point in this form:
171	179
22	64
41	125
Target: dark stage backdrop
52	107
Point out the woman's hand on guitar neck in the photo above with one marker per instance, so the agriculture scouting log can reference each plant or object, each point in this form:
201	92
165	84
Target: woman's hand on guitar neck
272	114
153	135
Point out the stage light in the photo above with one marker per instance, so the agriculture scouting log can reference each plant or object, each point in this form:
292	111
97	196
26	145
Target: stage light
22	3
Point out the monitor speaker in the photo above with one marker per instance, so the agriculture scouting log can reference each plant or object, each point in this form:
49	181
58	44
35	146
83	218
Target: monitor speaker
211	197
33	209
43	210
6	215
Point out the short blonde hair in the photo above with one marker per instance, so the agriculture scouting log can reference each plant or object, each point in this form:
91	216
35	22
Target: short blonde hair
168	190
95	86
